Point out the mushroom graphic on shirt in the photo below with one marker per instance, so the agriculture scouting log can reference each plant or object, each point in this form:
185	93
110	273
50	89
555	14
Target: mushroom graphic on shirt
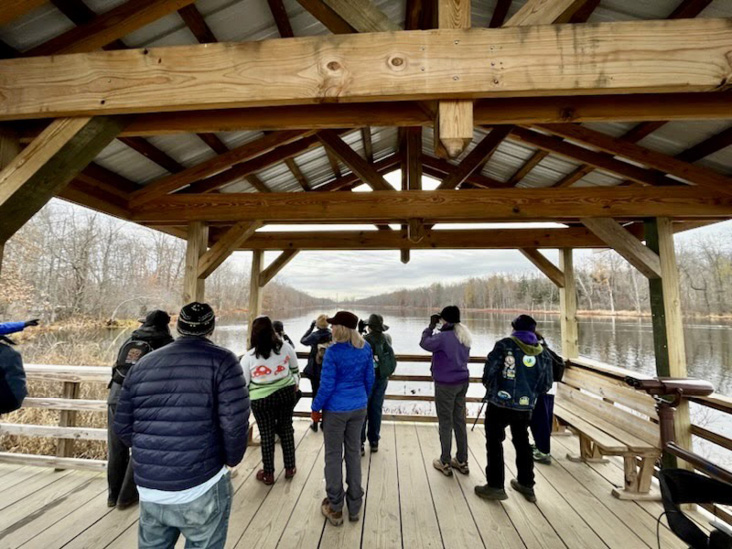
279	369
261	371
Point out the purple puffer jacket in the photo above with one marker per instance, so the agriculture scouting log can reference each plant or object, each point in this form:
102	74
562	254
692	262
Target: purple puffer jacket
449	356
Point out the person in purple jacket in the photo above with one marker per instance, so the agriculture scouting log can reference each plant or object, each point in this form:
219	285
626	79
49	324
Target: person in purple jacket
450	348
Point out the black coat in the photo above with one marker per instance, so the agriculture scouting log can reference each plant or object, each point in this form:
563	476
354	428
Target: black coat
184	410
312	339
13	387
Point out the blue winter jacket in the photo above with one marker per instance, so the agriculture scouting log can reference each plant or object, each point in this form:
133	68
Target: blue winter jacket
184	410
11	327
516	373
346	380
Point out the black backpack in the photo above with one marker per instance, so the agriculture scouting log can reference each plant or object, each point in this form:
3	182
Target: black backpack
129	355
558	364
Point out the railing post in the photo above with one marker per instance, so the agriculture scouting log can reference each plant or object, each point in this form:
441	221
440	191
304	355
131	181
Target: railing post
67	418
568	305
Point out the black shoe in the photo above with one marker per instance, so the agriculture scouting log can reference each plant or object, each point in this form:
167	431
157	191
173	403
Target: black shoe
127	505
111	503
486	492
527	492
314	426
374	447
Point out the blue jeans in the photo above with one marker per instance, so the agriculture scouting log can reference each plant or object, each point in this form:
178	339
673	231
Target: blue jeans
204	522
374	411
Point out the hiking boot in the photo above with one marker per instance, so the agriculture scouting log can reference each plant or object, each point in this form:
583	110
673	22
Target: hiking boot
462	467
334	517
314	426
527	492
494	494
541	457
374	447
353	518
363	450
443	468
111	503
266	478
290	472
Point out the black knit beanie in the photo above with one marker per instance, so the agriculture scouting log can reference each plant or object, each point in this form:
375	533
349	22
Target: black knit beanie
196	319
450	314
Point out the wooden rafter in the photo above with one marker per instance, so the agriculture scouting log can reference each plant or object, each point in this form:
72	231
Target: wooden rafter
105	29
266	276
12	10
476	157
150	151
257	183
540	12
499	13
457	206
197	24
368	146
362	15
439	169
413	15
584	12
539	260
527	166
332	141
707	147
330	19
44	85
627	245
694	174
348	182
210	167
225	245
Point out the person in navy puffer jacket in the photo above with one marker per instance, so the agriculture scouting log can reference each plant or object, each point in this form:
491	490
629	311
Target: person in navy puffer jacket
184	410
345	385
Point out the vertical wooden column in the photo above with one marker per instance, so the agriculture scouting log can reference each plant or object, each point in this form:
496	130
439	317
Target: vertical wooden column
193	286
9	149
67	418
568	305
255	297
668	327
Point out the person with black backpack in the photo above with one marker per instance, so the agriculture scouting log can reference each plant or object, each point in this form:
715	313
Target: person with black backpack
153	334
543	415
384	366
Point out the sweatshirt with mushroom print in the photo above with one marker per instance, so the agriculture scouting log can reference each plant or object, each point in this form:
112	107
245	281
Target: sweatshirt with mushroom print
265	376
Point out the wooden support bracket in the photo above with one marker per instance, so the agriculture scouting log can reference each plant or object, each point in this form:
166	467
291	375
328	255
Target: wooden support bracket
276	266
229	242
544	265
627	245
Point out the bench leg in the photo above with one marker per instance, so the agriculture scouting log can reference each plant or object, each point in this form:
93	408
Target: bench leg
638	479
589	452
558	429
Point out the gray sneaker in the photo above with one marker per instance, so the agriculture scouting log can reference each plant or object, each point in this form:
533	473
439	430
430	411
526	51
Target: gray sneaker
541	457
443	468
486	492
462	467
527	492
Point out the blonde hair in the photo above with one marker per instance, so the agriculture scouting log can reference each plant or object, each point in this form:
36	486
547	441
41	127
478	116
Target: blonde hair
341	334
463	335
322	322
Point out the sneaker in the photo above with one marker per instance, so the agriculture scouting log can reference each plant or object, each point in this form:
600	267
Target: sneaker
111	503
541	457
266	478
462	467
443	468
363	450
289	473
527	492
314	426
334	517
486	492
374	447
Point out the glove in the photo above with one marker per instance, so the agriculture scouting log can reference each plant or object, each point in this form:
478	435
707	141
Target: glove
33	322
312	324
316	417
361	326
434	319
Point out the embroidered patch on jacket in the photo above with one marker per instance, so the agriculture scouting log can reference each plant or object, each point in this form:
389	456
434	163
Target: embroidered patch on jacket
504	395
529	361
524	401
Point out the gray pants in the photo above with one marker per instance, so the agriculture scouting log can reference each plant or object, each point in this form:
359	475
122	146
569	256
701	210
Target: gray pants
343	430
450	405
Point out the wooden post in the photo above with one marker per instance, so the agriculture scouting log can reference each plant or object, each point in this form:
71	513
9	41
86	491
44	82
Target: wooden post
568	305
67	418
668	328
9	149
255	297
193	286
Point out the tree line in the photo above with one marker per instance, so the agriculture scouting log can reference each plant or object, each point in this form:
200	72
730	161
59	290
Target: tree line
71	263
605	282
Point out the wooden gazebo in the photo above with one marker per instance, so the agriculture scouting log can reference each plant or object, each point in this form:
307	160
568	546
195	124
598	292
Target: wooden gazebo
525	111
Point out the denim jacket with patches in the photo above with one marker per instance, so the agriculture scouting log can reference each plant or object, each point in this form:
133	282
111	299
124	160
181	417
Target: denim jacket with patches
515	374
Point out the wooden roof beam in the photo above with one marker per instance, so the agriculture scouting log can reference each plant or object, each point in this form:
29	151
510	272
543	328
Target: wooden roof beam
225	245
266	276
696	175
436	206
480	154
332	141
707	147
12	10
329	18
499	13
362	15
627	245
57	86
151	152
540	261
439	169
543	12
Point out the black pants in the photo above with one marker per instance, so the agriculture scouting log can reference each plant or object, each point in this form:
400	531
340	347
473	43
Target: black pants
120	479
315	384
496	421
274	416
541	423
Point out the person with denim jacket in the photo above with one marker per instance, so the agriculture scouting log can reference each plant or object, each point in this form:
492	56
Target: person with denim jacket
516	372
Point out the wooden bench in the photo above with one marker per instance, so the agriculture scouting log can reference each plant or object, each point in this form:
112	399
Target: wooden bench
611	419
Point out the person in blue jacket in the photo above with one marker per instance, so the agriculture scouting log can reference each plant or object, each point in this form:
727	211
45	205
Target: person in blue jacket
345	385
184	411
13	388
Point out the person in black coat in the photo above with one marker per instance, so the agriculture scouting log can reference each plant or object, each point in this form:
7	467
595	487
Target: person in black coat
312	338
13	388
153	334
184	410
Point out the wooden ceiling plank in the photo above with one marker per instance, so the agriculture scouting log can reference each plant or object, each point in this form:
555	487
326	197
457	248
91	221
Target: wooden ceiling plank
477	156
212	166
437	206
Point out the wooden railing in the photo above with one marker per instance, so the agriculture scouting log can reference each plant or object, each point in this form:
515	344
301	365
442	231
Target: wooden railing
73	376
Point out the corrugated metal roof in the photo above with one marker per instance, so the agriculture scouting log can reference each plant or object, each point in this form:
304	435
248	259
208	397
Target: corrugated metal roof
247	20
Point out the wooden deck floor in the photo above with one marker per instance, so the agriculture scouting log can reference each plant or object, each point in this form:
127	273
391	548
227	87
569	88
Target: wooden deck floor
408	504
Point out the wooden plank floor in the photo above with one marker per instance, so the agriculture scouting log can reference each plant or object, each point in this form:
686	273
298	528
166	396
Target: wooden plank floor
408	504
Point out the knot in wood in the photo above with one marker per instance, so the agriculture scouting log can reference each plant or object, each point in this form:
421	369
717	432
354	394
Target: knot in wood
334	66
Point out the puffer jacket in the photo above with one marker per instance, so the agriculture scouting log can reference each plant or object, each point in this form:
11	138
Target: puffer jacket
516	373
184	410
346	380
13	389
